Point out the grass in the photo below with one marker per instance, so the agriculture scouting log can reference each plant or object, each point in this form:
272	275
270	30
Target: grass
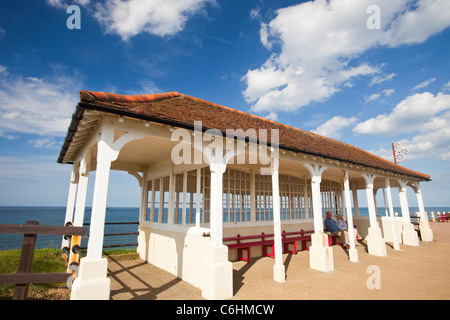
45	261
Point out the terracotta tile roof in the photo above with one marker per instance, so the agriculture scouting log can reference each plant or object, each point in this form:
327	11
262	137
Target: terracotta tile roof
182	110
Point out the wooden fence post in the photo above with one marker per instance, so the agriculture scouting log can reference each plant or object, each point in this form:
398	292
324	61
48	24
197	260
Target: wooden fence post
26	261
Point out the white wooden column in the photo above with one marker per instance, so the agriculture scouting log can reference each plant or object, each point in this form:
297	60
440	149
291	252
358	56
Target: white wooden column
426	232
278	269
353	253
252	196
183	212
375	242
404	201
355	201
80	205
171	215
216	209
82	190
92	281
316	177
217	271
409	235
95	244
320	253
392	216
143	209
369	178
74	179
197	197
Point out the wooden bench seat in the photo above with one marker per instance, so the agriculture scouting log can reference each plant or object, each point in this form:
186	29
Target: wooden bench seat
242	245
245	243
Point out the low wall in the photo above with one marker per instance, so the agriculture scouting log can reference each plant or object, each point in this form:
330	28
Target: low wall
363	223
181	251
387	228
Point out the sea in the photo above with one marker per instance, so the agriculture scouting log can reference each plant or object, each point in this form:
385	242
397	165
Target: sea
55	216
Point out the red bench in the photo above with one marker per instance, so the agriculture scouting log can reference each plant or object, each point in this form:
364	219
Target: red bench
255	241
245	243
443	217
332	238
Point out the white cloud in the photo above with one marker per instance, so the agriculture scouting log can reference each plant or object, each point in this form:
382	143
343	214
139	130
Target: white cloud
376	96
2	33
425	116
383	153
3	70
28	167
272	116
319	41
388	92
332	127
381	78
372	97
424	84
254	13
446	86
407	116
44	143
64	4
36	105
161	18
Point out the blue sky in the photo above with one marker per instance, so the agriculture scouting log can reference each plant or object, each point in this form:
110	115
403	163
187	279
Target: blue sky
322	66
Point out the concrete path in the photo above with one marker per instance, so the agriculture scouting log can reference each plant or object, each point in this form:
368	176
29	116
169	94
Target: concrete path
412	273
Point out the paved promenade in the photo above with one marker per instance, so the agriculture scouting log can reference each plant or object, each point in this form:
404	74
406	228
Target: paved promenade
412	273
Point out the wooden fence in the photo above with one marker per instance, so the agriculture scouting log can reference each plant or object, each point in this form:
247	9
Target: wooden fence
24	277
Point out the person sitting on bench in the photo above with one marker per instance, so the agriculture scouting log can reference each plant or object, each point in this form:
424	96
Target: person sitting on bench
332	227
342	225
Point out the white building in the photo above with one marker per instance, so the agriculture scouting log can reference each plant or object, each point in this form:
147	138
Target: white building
199	185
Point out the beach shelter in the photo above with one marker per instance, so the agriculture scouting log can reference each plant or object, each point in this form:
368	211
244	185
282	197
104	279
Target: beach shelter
208	173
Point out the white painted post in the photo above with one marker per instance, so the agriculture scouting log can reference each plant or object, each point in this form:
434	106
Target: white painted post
216	210
306	198
370	199
197	197
320	253
81	195
375	242
278	268
82	190
355	201
404	201
143	208
183	212
217	270
425	231
409	235
392	215
353	253
92	281
252	196
316	177
171	215
95	244
74	178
